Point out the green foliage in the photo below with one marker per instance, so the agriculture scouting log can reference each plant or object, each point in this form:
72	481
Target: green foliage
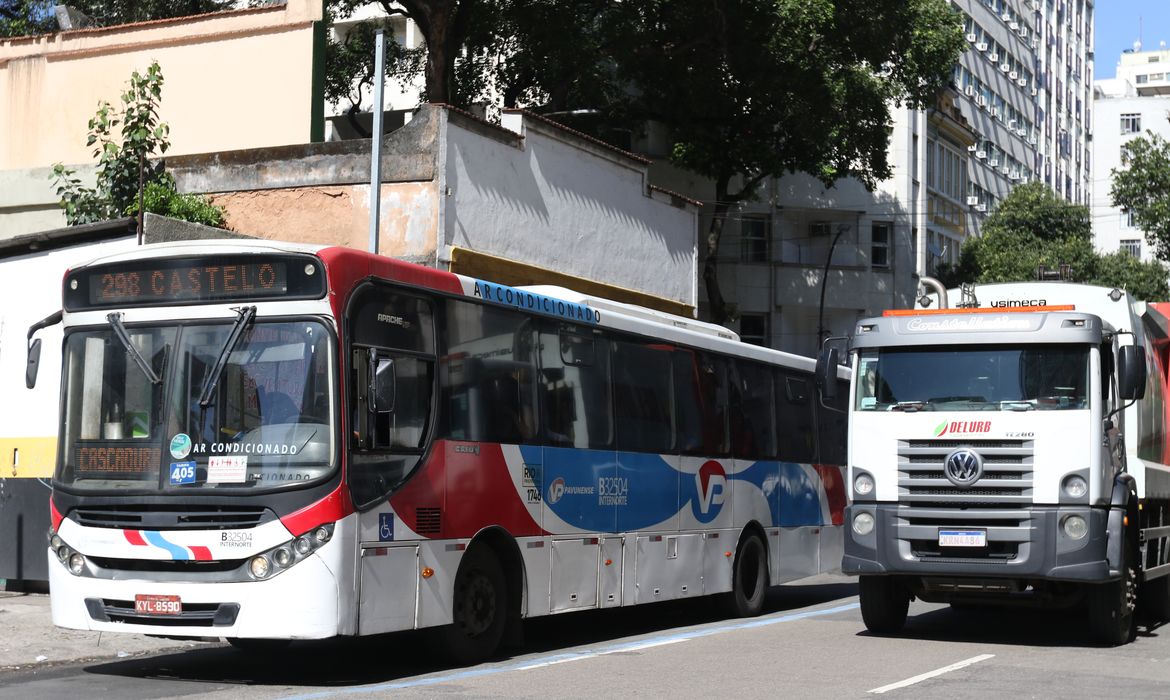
160	197
26	17
1143	187
1033	227
123	142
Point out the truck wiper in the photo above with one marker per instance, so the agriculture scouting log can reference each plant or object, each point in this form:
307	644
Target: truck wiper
1020	405
244	317
908	406
115	320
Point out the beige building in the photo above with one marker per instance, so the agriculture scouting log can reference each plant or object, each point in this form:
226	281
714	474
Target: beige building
238	79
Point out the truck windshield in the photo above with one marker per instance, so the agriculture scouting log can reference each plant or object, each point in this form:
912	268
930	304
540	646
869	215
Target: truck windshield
973	378
269	420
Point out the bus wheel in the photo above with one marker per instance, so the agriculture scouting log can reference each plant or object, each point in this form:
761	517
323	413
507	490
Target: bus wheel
884	603
749	579
1111	605
479	609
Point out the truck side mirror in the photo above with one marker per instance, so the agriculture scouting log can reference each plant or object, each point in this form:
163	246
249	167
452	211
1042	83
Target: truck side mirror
382	383
1131	372
34	363
827	373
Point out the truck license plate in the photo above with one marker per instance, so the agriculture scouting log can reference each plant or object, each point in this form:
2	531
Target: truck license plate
962	538
157	605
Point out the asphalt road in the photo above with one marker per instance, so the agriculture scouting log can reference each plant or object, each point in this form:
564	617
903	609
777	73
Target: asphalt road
810	643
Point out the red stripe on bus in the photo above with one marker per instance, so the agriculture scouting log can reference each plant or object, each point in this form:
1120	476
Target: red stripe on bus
330	509
201	553
134	537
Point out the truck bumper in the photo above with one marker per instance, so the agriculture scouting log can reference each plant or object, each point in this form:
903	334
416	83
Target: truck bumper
1021	543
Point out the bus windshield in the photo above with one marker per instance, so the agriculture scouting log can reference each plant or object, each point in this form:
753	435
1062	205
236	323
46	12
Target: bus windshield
267	419
973	378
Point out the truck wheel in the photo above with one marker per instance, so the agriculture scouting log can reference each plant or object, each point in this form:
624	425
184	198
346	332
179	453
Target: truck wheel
479	608
749	583
1111	605
884	603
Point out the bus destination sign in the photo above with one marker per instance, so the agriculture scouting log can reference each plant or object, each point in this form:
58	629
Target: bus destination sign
186	280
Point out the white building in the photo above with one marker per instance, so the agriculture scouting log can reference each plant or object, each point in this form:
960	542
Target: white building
1133	103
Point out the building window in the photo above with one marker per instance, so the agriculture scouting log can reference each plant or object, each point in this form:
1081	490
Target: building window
1143	79
820	228
753	242
1127	219
753	328
1131	123
1133	246
880	237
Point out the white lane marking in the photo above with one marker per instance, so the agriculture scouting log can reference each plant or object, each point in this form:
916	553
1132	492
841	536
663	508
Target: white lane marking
932	674
594	654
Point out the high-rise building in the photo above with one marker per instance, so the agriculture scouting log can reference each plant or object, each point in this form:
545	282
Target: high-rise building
1129	105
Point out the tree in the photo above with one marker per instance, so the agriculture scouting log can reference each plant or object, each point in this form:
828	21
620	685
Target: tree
123	141
1143	188
26	17
1031	227
753	89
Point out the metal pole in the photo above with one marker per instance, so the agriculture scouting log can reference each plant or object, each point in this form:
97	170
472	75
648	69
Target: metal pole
824	278
141	167
376	139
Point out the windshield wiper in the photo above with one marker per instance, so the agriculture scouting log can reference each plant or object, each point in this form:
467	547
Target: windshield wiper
1019	405
244	317
115	320
908	406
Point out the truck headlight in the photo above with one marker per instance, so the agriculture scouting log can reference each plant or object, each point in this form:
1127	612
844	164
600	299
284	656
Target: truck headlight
1075	527
863	484
863	523
1074	486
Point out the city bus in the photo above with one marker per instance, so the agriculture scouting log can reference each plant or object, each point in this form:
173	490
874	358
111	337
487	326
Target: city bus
265	442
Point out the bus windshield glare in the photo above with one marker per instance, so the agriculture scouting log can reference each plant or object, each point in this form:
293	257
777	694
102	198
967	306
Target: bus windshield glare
973	378
267	421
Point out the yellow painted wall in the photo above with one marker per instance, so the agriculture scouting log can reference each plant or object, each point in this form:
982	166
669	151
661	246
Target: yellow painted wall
232	80
30	457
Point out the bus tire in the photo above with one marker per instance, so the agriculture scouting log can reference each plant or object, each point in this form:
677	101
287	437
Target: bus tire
749	578
479	608
1111	605
884	603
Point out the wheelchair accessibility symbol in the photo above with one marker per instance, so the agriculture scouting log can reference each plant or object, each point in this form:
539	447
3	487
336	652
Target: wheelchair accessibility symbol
385	527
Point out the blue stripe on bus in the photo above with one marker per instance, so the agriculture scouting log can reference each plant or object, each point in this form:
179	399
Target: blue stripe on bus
178	553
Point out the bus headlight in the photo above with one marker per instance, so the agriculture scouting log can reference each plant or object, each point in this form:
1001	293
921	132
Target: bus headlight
76	564
863	484
259	567
1075	527
863	523
1075	487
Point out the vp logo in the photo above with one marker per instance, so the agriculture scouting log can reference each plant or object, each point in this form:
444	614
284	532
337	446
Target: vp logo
556	490
711	487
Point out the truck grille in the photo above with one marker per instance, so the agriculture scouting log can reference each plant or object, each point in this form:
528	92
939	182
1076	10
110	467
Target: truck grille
997	503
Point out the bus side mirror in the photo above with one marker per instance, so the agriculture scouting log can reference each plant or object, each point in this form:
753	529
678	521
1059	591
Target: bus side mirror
826	371
1131	372
34	363
382	384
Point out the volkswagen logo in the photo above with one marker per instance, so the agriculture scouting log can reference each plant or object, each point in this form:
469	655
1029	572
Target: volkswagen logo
963	467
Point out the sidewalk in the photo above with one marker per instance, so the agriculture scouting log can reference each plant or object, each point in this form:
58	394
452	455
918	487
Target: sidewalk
28	637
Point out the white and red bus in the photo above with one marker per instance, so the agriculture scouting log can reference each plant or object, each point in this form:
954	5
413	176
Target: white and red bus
263	441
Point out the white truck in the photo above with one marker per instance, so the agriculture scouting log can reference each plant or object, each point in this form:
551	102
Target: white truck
1012	450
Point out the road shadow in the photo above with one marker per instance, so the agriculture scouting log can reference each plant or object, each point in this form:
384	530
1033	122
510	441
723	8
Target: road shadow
347	661
1009	625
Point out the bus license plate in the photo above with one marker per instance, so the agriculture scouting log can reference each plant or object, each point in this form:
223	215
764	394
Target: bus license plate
158	605
962	538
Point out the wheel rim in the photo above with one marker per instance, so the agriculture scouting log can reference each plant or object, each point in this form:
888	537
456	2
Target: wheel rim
477	604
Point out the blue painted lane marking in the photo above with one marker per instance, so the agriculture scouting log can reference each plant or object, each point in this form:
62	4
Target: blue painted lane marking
570	656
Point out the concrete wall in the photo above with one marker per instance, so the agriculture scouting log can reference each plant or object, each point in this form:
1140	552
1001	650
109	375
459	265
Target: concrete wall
238	79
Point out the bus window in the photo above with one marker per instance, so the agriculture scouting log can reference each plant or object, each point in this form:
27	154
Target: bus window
752	423
700	384
487	376
794	418
575	387
643	397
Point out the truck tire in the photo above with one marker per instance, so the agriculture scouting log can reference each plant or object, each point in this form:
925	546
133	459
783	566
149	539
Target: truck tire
884	603
1111	605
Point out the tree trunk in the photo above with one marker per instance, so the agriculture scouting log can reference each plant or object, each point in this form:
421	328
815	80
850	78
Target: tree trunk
443	24
717	306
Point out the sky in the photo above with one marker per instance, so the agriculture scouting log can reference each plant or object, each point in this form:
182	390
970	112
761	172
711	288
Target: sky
1122	22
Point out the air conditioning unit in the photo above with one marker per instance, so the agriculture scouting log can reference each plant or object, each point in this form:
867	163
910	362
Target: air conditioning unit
1011	123
1022	133
1035	92
1022	82
1006	17
980	101
972	148
1014	75
994	162
1004	67
993	56
981	46
969	91
972	200
1032	140
995	112
1014	26
971	38
980	208
981	155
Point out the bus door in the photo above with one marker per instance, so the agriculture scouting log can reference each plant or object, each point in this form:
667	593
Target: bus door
580	472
